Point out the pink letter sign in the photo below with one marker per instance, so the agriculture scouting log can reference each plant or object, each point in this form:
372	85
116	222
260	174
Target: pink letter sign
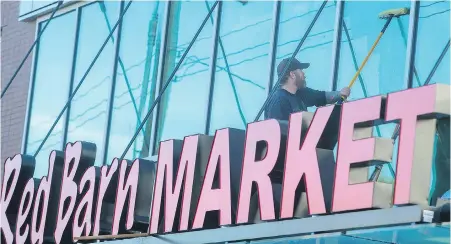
107	173
79	154
302	162
18	174
206	182
417	109
165	171
11	172
27	198
353	151
37	231
86	203
258	171
127	185
216	199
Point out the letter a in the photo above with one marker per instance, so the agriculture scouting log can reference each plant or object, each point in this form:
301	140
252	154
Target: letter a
216	199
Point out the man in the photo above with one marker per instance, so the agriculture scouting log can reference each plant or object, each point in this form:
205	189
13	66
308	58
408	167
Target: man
293	95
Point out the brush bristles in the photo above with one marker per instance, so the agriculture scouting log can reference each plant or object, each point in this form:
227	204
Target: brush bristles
394	12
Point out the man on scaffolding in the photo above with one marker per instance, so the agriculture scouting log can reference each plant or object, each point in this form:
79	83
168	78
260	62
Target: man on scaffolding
293	95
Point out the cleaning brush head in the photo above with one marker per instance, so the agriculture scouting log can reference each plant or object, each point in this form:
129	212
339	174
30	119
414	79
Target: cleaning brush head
394	13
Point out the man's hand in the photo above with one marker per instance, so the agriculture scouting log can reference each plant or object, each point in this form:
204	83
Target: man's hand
336	96
345	92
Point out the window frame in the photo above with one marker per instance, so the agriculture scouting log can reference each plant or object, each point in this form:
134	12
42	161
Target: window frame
410	58
32	79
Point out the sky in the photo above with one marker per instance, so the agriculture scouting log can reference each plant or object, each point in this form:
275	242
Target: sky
245	36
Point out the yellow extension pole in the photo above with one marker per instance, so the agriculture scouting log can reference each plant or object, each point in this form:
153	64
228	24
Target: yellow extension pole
368	55
365	60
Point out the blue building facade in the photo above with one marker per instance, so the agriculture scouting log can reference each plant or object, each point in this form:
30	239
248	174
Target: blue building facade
225	77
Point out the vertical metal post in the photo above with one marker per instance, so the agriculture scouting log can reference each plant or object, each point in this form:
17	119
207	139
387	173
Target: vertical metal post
160	76
274	43
169	65
336	46
150	44
153	40
112	89
170	62
72	76
411	43
216	32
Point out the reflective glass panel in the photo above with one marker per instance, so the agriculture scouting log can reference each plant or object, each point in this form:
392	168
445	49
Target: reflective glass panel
422	233
88	112
136	77
321	238
183	108
440	184
295	18
242	64
433	36
433	40
384	71
51	87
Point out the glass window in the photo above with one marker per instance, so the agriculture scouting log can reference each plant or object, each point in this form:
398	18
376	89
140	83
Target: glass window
184	104
384	71
136	77
242	67
52	76
433	34
295	18
88	112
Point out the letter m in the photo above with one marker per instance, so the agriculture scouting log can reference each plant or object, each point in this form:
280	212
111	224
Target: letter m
172	189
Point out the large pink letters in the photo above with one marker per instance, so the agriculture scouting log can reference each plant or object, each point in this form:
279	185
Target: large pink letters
354	150
165	175
79	155
86	203
68	189
216	199
37	232
416	138
27	198
126	185
12	167
258	171
107	173
302	161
